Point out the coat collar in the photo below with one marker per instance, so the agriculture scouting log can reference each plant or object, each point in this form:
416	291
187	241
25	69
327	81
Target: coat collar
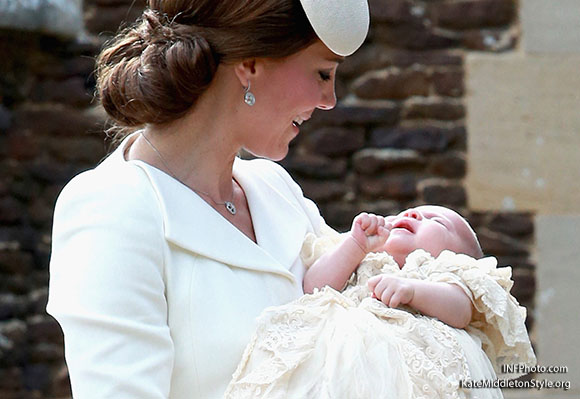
194	225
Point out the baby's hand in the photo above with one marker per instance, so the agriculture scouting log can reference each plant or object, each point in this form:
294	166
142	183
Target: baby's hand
392	291
370	231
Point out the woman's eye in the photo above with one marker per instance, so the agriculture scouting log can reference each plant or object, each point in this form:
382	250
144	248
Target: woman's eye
324	75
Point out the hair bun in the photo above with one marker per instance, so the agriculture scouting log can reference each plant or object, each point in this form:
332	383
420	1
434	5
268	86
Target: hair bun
155	71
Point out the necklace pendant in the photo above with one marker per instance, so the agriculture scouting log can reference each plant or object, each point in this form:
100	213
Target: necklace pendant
230	207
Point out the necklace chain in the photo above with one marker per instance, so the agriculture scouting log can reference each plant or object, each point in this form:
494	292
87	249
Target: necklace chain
229	205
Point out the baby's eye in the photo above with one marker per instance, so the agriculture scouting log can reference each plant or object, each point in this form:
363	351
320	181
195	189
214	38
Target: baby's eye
324	75
438	220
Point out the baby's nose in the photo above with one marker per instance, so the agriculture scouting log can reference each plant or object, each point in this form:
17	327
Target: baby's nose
414	214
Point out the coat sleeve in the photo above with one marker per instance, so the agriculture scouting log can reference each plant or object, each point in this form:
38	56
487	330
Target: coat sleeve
107	287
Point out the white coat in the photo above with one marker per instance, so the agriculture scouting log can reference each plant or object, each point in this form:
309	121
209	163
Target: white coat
155	291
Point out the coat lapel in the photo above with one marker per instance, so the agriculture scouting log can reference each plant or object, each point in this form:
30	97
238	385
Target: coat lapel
194	225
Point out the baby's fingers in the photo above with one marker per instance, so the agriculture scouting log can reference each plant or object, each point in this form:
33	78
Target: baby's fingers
364	221
373	281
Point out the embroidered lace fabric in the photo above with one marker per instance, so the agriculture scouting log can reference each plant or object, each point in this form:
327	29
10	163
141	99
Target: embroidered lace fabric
348	345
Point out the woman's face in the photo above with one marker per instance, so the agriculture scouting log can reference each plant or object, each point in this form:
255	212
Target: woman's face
287	92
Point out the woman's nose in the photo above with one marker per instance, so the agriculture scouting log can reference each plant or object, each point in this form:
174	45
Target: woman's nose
328	100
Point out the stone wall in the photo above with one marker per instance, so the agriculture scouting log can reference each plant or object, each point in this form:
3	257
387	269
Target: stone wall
396	139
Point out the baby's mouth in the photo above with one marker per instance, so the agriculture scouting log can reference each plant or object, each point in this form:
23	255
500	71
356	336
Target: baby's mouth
403	224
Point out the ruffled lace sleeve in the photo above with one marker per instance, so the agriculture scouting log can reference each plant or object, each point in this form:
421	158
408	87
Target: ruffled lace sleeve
498	320
315	246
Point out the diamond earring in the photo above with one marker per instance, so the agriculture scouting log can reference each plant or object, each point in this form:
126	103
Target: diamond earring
249	97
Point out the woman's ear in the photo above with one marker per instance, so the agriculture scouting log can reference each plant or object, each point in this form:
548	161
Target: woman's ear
247	70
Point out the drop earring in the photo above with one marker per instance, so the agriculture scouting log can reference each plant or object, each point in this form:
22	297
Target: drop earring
249	97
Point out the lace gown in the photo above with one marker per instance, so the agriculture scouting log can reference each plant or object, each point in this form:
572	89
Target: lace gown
346	344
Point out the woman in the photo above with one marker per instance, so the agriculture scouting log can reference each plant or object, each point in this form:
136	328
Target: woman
165	253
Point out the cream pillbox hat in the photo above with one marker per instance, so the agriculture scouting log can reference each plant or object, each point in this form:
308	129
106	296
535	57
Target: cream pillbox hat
342	25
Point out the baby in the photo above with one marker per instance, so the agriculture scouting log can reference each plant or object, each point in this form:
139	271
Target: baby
421	314
431	228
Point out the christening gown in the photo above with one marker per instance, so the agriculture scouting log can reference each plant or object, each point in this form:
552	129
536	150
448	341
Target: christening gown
332	344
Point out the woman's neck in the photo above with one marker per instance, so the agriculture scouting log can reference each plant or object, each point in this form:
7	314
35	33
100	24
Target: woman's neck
202	160
198	149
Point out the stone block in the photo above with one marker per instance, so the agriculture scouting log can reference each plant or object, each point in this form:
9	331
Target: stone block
71	91
371	160
12	306
513	224
442	192
498	244
402	186
36	376
315	166
359	112
407	58
58	69
25	189
448	82
392	83
109	19
22	145
11	211
451	164
43	328
5	118
60	383
369	57
425	139
59	17
58	120
108	3
40	212
336	141
516	262
46	353
416	37
10	381
16	262
394	11
339	214
469	14
82	149
381	207
52	172
524	286
494	40
17	284
18	237
433	108
323	190
38	299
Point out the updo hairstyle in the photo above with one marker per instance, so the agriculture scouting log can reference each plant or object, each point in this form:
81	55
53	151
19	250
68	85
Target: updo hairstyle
154	71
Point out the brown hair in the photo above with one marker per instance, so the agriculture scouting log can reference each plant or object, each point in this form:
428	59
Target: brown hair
155	70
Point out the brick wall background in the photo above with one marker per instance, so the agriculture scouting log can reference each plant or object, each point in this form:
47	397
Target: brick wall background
396	139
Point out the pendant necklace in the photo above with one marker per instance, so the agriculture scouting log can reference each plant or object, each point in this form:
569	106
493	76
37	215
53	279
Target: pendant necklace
229	205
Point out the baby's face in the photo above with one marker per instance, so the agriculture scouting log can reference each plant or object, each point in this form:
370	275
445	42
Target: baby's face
432	228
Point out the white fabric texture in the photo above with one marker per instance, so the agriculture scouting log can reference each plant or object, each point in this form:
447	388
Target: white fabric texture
157	294
349	345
